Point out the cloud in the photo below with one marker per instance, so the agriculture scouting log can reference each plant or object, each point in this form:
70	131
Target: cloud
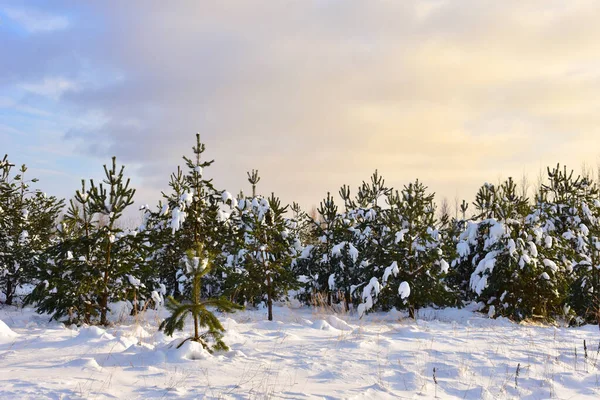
50	87
36	21
318	94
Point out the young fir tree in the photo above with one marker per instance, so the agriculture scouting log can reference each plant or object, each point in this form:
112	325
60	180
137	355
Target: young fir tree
96	261
415	276
195	222
265	252
552	249
189	214
516	271
509	271
452	230
314	263
27	219
470	248
571	217
71	293
364	249
332	265
197	265
300	227
584	295
170	241
299	232
119	251
346	261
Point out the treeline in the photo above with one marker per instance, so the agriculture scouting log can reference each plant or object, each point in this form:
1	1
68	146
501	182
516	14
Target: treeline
373	249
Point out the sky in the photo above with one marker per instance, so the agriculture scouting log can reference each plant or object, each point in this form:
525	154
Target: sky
313	94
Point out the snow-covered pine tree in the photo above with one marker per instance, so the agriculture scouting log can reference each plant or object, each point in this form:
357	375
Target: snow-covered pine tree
162	225
196	223
510	278
66	273
341	257
586	294
263	259
470	248
27	219
302	237
120	251
346	261
190	214
459	275
197	264
96	262
314	262
365	231
13	230
573	223
300	225
415	276
553	251
502	241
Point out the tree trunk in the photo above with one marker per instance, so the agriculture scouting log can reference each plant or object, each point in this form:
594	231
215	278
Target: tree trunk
196	294
9	292
103	308
269	299
104	301
347	301
411	311
88	316
134	311
176	292
104	298
196	329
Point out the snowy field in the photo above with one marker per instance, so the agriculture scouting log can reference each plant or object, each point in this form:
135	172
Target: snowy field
305	354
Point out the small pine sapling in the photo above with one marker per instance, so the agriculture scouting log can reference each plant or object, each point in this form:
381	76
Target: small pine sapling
26	228
264	251
198	265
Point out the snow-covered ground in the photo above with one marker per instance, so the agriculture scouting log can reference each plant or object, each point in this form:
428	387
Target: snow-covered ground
305	353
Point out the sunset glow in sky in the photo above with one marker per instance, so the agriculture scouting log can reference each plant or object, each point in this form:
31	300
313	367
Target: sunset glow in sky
313	94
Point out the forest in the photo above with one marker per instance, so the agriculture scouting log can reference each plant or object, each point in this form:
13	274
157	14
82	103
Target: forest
202	248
